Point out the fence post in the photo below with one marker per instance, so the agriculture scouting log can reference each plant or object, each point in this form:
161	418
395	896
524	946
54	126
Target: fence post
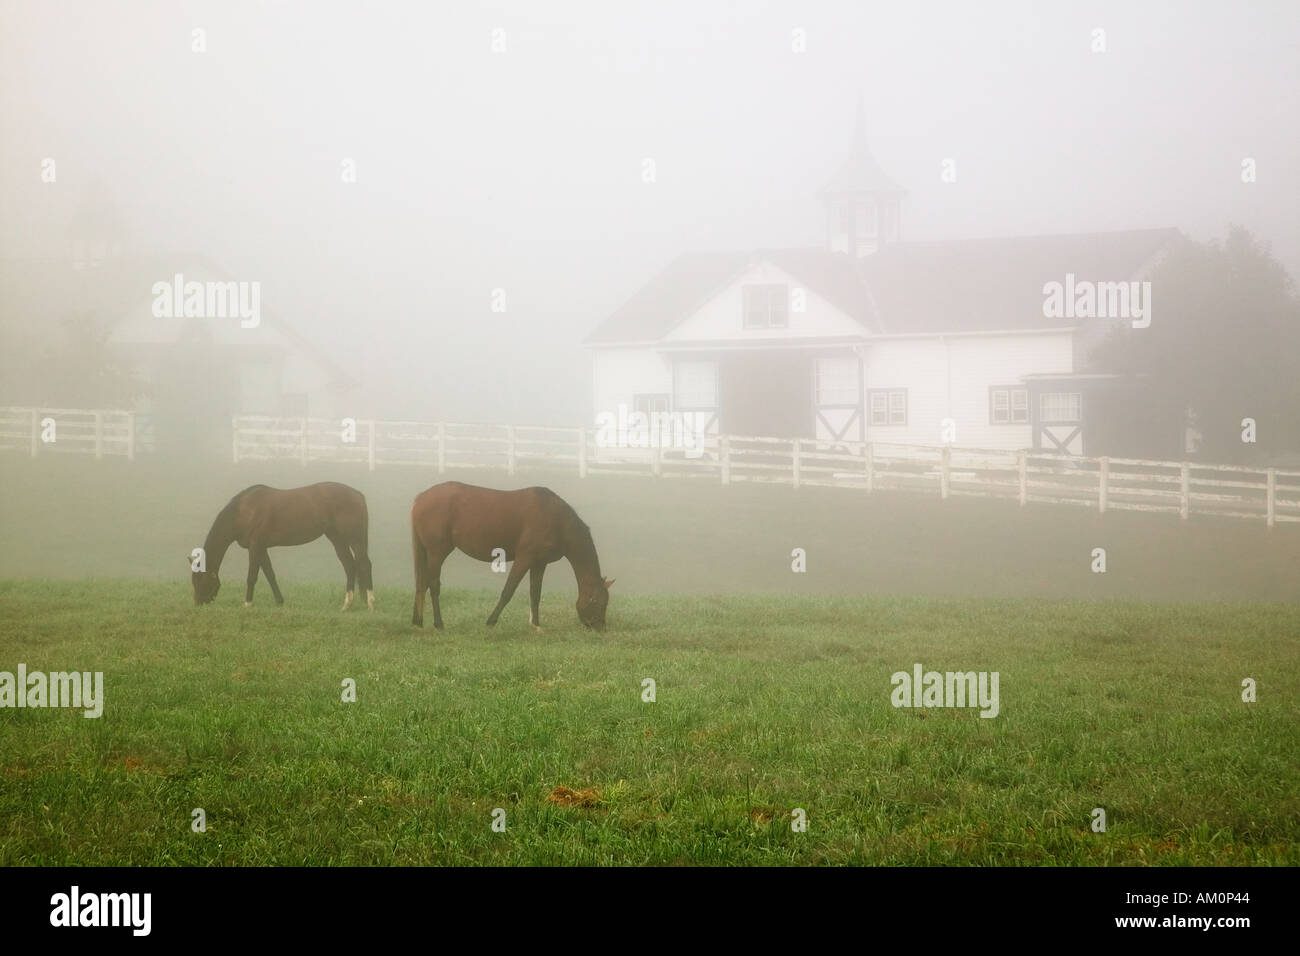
370	446
36	433
656	456
869	452
945	471
1022	467
99	435
795	462
510	449
130	436
582	453
724	457
1103	485
303	452
1272	495
234	439
1185	502
442	447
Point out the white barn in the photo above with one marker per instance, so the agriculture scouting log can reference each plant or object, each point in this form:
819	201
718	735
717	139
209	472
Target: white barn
870	337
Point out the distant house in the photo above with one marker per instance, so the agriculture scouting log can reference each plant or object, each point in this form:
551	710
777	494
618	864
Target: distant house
870	337
239	368
193	373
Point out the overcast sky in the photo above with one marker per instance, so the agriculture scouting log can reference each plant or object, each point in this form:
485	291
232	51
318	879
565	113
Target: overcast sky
522	169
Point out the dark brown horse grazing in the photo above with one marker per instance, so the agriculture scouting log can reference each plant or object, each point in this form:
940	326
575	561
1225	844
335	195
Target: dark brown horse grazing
532	527
260	518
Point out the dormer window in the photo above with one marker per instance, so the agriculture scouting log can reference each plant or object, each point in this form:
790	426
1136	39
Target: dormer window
766	306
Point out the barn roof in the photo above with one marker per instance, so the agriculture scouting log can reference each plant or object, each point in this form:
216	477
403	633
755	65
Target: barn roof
980	285
911	288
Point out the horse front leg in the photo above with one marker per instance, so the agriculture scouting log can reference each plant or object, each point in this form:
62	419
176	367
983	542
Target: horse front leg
254	563
535	595
270	576
516	575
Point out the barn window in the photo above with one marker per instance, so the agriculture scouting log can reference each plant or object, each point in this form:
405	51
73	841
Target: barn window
1060	407
888	406
837	380
767	307
695	385
1008	405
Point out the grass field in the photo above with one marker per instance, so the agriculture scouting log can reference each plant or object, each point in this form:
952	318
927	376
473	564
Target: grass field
1119	690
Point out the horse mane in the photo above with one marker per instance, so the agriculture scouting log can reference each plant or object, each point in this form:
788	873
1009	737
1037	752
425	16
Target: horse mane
226	513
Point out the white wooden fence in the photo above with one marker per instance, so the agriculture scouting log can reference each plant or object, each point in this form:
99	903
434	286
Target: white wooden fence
1107	484
86	431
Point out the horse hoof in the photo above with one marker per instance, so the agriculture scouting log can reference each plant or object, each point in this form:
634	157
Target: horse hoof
248	604
370	600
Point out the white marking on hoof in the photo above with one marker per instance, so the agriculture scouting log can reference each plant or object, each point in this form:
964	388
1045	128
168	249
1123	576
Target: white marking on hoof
347	601
248	604
370	600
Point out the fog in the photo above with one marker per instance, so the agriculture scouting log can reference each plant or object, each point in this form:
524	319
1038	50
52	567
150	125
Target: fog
521	168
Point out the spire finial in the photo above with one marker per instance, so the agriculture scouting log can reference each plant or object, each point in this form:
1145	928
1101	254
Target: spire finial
860	130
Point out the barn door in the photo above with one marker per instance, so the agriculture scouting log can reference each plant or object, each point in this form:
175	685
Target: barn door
837	386
1060	422
695	395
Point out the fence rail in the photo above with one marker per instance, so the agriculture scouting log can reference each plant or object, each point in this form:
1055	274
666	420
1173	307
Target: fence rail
86	431
1107	484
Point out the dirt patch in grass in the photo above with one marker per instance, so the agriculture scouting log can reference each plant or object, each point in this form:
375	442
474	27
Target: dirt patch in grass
563	796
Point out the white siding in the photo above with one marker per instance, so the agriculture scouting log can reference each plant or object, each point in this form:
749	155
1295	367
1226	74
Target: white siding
722	317
620	374
950	378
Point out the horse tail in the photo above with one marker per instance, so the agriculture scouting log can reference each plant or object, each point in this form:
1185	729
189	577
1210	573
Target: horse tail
361	551
363	536
421	557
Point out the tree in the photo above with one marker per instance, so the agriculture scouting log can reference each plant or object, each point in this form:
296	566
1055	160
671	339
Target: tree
80	370
1223	346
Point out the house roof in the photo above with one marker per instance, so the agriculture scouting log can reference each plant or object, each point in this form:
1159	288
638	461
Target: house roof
910	288
690	280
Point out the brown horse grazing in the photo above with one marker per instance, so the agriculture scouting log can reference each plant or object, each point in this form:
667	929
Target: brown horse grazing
532	527
260	518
